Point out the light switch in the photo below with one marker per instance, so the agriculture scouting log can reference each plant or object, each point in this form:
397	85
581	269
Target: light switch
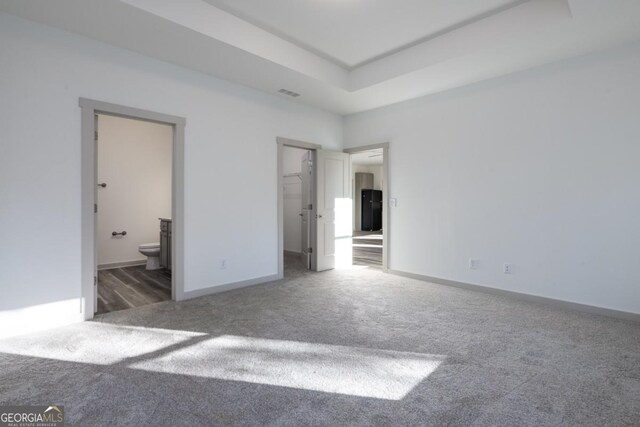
393	202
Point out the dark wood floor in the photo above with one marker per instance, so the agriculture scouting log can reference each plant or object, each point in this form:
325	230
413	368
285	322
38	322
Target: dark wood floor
367	248
127	287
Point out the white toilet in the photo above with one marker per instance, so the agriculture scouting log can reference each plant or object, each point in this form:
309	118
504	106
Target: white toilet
152	252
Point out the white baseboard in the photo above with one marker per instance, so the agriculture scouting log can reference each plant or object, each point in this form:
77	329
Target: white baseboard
60	313
122	264
585	308
227	287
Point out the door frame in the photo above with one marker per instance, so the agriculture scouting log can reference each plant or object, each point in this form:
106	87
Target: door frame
90	108
385	195
286	142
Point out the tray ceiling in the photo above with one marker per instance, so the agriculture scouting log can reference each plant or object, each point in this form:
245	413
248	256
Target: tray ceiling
347	56
353	32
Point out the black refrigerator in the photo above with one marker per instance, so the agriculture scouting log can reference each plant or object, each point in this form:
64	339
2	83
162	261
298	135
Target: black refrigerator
371	210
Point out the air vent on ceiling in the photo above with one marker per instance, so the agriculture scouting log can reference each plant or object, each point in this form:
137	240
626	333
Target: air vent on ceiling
289	93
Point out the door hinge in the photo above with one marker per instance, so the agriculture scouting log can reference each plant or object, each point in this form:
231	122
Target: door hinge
95	208
309	250
95	135
95	280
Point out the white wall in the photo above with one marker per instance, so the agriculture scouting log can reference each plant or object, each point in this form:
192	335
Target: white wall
539	169
291	163
134	160
230	170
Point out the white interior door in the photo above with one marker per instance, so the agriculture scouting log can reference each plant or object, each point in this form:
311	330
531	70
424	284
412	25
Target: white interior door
333	210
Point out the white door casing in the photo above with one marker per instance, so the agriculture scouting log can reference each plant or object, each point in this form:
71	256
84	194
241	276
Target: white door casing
334	206
89	109
306	206
95	213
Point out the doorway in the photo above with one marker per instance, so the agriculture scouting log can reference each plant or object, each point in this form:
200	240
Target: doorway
92	112
329	213
297	180
367	180
369	177
133	221
295	221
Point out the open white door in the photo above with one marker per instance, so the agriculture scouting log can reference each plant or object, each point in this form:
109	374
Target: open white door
333	210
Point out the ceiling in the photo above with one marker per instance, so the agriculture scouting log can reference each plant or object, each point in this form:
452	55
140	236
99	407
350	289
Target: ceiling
368	158
353	32
347	56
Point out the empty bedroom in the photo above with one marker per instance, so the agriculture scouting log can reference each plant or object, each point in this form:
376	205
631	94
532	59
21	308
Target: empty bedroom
319	213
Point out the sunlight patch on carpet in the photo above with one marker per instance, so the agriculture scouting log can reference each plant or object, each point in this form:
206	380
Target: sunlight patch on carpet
382	374
97	343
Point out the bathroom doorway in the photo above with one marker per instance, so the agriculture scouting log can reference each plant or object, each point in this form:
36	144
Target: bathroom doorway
133	178
133	222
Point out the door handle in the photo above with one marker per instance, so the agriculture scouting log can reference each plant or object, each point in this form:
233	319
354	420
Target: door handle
122	233
102	184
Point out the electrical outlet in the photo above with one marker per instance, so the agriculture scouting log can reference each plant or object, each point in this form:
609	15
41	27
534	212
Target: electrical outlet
223	264
508	269
393	202
474	264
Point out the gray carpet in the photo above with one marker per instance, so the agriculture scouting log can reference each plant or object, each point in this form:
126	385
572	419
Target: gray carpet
351	347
